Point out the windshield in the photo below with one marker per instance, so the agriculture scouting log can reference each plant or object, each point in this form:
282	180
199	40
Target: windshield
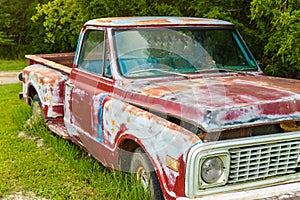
179	51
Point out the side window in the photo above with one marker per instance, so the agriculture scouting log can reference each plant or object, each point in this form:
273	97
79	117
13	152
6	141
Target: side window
92	53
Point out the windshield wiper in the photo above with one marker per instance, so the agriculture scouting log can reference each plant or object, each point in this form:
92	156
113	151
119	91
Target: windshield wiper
160	70
223	70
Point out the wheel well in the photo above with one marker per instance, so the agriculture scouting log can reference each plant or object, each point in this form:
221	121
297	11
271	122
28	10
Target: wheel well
126	149
31	93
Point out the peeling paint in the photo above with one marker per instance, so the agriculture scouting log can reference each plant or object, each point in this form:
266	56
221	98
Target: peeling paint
219	102
49	85
158	136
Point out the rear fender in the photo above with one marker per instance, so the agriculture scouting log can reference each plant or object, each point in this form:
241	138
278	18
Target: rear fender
49	85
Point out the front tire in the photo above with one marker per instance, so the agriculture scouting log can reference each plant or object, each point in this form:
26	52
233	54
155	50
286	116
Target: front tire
145	174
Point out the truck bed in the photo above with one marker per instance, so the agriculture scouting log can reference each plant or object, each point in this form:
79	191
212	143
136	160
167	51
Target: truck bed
59	61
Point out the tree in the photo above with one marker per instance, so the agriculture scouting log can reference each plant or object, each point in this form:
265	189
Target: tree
15	23
64	18
4	40
278	23
61	21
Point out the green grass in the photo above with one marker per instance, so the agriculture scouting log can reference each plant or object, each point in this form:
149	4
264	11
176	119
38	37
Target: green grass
58	169
7	65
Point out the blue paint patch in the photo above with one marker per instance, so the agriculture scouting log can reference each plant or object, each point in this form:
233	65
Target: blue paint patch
100	114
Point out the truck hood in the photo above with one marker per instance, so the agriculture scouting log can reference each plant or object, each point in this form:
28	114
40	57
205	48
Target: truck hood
219	103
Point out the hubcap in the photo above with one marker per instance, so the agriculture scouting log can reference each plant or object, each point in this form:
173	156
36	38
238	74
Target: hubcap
142	177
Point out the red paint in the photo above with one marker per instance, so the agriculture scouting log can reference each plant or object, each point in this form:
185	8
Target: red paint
178	187
61	93
234	114
45	110
179	184
120	132
281	108
58	109
123	128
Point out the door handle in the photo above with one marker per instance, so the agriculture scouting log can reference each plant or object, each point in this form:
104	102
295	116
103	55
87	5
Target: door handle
69	84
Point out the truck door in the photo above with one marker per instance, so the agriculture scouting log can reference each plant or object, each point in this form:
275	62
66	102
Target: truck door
89	84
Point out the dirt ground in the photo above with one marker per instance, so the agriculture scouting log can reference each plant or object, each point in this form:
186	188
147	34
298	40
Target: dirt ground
9	77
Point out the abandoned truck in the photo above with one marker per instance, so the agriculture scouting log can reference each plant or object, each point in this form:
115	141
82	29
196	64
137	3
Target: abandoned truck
178	101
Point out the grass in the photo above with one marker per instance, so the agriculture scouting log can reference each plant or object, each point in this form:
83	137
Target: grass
56	170
8	65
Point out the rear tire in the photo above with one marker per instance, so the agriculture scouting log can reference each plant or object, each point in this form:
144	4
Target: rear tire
36	107
145	174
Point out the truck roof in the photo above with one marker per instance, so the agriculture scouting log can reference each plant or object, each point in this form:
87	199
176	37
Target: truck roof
156	21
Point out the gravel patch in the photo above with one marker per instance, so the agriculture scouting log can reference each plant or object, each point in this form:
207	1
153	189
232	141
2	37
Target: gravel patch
39	142
21	196
9	77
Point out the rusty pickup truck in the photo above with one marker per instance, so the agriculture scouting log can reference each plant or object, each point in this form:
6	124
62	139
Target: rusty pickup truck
178	101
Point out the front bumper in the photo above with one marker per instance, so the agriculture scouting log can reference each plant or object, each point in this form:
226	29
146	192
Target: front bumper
285	191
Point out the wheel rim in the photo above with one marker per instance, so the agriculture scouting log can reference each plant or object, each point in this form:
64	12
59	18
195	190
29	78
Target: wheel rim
142	177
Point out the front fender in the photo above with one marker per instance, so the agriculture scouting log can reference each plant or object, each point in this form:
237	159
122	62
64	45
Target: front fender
160	139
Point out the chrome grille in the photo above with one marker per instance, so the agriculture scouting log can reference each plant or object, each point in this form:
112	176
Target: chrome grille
262	161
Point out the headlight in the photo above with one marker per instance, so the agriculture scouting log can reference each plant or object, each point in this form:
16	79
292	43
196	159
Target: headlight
212	170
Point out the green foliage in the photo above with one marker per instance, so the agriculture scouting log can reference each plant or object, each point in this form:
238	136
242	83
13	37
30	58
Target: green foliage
61	20
15	26
278	23
270	27
4	40
65	18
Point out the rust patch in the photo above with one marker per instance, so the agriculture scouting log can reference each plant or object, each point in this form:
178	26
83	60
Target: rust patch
124	108
153	21
159	91
44	76
113	122
289	126
123	128
41	59
280	83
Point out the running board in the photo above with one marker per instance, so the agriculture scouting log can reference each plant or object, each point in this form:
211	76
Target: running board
59	129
